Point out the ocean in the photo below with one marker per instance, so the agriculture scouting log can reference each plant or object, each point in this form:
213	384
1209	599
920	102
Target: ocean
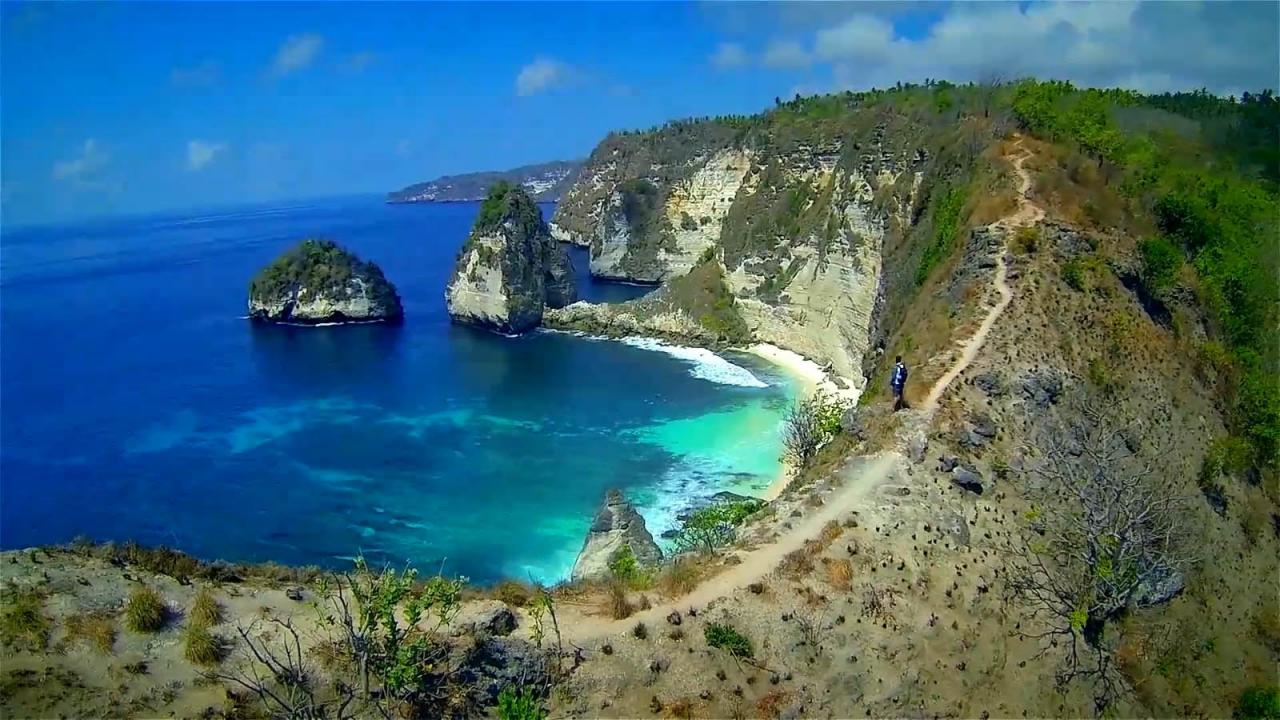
137	402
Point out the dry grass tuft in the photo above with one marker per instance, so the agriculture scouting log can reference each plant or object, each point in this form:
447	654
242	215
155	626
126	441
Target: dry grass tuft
796	564
1266	624
617	605
97	628
513	593
839	573
145	611
772	703
201	647
681	707
205	609
830	533
23	622
680	577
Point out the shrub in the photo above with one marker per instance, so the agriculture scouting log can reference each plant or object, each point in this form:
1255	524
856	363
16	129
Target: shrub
640	631
1026	240
679	576
810	423
23	622
1073	274
145	611
727	638
513	593
205	609
521	704
626	569
839	573
95	628
1161	261
619	606
200	646
1261	702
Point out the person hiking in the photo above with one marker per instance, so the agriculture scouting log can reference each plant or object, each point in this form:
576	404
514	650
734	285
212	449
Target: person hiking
898	382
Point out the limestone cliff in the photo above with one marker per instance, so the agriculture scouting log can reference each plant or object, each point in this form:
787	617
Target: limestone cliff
316	282
811	211
617	525
510	269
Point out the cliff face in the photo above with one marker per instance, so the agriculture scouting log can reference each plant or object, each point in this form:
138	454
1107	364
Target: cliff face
510	268
545	182
615	526
319	282
809	210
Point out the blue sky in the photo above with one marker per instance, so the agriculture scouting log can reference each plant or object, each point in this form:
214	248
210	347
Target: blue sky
119	108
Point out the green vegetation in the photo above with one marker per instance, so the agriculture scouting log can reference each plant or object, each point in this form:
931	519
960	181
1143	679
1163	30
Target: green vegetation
810	423
947	221
319	265
98	629
727	638
23	621
521	704
1161	261
626	569
200	646
1261	702
509	203
205	608
714	526
702	294
145	611
1212	193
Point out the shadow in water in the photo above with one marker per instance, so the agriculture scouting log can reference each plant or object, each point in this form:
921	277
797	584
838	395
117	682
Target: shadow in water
325	356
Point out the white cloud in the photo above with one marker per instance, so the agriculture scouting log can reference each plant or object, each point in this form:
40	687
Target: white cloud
729	55
786	54
357	62
1149	46
297	52
541	75
202	75
200	153
83	170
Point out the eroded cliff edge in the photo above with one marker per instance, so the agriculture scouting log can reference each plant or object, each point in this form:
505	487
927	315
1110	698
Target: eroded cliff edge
823	219
318	281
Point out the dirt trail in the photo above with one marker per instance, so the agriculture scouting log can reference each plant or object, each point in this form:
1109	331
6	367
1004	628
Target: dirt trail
1028	213
860	479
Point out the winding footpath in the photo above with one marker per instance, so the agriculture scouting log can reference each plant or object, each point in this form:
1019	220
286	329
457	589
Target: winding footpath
860	477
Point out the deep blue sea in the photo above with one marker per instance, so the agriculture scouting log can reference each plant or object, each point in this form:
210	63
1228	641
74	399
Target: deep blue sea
136	402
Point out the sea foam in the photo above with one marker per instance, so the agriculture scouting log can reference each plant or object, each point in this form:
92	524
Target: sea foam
706	364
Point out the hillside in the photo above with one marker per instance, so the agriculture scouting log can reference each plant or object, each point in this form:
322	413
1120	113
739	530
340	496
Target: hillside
1078	513
546	182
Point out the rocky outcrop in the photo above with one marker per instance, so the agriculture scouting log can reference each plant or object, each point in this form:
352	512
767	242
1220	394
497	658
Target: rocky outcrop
510	269
616	525
317	282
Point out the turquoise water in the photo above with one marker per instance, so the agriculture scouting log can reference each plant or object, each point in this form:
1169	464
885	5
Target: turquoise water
139	404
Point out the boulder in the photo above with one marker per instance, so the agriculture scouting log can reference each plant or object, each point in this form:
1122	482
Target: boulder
968	477
992	383
510	269
494	664
1161	588
980	431
317	281
1042	388
616	525
491	617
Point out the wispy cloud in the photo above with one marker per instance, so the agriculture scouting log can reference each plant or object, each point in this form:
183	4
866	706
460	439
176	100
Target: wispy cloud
541	75
729	55
786	54
202	75
357	63
200	153
85	169
296	53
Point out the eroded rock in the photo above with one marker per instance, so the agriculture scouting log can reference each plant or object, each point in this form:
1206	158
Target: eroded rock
318	281
616	525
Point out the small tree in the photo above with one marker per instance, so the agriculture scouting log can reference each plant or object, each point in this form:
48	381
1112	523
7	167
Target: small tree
714	526
1109	528
810	423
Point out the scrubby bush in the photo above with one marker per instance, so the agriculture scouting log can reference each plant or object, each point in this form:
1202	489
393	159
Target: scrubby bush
1026	240
519	704
810	423
619	604
1261	702
1073	274
205	609
727	638
1161	261
95	628
640	631
145	611
626	569
513	593
710	528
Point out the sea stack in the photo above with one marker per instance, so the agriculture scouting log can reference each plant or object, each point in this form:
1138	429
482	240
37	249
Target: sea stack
318	281
510	268
616	525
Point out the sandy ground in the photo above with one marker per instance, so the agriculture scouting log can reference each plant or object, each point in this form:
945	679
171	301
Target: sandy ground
808	371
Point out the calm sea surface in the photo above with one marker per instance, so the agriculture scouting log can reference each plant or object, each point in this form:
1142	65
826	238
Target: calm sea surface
137	403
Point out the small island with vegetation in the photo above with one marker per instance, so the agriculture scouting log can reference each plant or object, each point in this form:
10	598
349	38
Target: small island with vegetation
319	282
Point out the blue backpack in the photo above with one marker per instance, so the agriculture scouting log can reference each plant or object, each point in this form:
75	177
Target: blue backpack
899	375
